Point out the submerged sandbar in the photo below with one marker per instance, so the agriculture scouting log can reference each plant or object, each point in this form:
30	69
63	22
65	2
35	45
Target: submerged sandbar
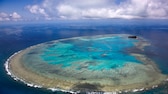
92	63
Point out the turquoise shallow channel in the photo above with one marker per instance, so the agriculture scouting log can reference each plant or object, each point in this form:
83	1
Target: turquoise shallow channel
89	63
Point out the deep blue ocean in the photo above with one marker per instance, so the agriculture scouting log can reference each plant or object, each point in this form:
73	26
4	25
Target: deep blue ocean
15	37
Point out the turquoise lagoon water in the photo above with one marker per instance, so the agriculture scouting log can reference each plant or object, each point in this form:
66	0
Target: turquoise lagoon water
93	53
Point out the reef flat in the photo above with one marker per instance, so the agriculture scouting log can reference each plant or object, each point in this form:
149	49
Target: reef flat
106	63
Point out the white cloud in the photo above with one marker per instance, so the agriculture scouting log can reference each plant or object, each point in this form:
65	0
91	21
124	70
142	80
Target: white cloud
2	14
82	9
158	8
36	9
4	17
15	16
9	17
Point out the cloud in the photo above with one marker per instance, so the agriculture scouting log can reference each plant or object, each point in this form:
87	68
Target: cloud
15	16
36	9
97	9
9	17
4	17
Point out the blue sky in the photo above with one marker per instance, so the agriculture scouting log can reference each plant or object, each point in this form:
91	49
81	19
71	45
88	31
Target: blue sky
37	10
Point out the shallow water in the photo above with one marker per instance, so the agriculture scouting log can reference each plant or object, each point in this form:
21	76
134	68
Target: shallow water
109	52
84	56
26	35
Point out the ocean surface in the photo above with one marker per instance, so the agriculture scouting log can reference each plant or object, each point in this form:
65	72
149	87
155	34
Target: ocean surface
15	37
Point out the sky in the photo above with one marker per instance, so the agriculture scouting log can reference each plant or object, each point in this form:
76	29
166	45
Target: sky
37	10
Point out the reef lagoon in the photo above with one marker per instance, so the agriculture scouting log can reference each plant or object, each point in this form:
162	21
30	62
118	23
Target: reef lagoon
102	63
84	56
